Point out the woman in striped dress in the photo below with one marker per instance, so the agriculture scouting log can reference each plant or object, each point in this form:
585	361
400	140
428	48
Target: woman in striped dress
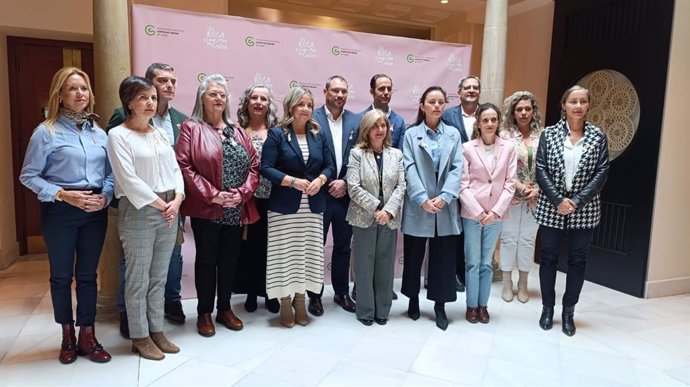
297	161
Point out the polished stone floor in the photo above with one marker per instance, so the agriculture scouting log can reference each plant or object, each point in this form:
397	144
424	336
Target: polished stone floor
620	341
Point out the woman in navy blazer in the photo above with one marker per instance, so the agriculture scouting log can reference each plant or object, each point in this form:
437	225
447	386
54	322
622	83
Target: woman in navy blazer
432	155
298	162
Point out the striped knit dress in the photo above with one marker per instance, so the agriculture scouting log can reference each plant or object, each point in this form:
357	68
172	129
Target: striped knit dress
294	261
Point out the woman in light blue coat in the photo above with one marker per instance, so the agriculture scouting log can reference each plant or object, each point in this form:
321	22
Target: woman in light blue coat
432	155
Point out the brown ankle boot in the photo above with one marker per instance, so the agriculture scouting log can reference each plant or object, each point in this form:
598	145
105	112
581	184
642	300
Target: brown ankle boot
89	346
162	342
300	306
287	317
68	351
147	349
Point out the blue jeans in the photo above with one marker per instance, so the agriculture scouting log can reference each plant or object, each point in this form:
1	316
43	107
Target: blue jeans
480	243
173	285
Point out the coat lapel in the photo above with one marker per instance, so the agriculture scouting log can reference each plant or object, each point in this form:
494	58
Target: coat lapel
447	141
294	143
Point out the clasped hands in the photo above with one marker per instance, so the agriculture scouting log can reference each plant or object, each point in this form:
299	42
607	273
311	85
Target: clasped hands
434	206
228	199
311	188
566	207
84	200
382	217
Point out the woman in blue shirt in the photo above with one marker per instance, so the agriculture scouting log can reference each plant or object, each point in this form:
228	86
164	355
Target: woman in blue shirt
67	167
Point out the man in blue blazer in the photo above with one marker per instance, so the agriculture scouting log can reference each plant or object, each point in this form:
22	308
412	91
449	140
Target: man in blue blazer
168	120
463	117
340	127
381	89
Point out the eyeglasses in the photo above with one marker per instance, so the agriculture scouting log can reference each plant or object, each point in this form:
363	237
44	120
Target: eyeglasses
214	95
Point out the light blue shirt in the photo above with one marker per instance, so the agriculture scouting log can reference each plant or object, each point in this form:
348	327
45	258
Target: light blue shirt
68	158
434	138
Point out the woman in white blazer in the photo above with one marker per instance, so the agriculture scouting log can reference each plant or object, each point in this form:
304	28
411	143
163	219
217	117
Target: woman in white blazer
488	185
376	186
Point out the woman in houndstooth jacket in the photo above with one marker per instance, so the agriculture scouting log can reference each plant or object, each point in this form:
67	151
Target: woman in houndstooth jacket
572	166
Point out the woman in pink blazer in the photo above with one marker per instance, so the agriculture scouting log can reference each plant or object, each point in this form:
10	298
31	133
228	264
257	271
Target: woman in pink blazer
487	187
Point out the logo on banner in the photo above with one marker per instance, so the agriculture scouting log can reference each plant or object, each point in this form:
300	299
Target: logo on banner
263	79
306	85
412	58
306	48
251	41
216	39
384	57
455	63
338	51
164	32
417	92
200	77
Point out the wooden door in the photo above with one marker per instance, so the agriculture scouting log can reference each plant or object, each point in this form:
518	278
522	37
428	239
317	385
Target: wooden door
32	63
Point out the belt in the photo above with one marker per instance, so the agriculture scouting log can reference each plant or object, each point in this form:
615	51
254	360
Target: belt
95	191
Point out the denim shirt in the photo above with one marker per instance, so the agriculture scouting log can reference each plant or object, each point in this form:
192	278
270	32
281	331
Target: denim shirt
434	139
68	158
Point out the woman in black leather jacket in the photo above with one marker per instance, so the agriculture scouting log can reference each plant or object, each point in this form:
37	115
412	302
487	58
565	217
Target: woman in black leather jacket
572	166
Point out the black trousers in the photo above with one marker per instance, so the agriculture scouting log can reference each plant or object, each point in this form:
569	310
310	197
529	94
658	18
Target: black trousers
74	239
580	240
217	252
460	256
251	268
441	274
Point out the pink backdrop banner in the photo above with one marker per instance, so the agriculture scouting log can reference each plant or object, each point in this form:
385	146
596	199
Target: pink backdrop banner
281	56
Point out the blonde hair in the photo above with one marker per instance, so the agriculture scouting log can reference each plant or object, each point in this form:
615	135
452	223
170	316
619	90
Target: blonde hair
54	100
368	122
291	100
508	113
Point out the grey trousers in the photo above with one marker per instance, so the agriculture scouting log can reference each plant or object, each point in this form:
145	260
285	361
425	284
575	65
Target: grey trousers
148	243
374	250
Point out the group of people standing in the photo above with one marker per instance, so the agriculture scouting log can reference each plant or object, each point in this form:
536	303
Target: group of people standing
262	195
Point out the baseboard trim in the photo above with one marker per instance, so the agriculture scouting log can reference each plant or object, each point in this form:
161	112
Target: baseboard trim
9	256
669	287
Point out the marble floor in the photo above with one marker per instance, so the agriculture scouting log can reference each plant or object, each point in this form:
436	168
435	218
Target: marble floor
620	341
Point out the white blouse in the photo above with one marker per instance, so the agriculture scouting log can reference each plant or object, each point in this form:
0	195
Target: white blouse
572	153
144	164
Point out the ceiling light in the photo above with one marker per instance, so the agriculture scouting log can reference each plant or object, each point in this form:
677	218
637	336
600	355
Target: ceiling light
444	1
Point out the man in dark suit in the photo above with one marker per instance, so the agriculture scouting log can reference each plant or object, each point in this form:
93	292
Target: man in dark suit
381	89
463	117
340	127
168	120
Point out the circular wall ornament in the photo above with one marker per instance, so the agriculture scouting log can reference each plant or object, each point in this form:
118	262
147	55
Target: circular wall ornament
615	108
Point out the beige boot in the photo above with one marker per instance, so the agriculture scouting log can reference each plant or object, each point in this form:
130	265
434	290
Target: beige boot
287	316
507	293
147	349
523	295
163	343
299	304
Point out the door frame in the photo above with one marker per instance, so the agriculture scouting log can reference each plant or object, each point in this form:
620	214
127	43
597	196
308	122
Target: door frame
19	142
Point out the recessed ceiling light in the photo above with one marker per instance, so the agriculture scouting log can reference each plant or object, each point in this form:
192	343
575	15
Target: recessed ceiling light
444	1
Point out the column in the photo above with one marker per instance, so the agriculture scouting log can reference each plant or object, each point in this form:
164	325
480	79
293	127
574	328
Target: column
494	71
112	64
494	51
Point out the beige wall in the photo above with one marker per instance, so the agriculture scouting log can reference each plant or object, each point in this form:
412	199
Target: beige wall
669	262
529	53
9	248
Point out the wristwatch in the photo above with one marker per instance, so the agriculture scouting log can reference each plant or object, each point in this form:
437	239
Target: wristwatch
58	195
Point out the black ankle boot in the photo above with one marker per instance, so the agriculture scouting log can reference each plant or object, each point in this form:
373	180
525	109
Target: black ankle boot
546	319
413	308
441	318
567	320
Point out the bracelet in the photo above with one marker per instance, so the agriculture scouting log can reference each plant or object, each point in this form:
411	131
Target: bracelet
323	180
58	195
292	182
